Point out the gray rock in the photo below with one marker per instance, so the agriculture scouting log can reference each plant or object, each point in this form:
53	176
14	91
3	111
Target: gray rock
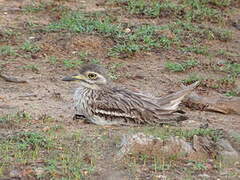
227	153
201	148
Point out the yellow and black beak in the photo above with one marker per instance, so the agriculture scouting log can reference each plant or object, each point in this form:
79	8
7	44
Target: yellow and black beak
74	78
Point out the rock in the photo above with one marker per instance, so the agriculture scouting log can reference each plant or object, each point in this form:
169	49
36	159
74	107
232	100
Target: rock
138	143
201	148
176	145
227	153
221	104
173	146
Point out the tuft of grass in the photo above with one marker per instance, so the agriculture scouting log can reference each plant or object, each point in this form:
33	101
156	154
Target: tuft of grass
95	61
7	51
185	30
31	140
78	22
180	67
199	11
153	9
186	9
236	136
58	158
30	47
232	68
13	120
53	59
222	3
144	37
224	52
228	80
32	67
192	78
232	93
72	63
222	34
196	49
112	70
34	7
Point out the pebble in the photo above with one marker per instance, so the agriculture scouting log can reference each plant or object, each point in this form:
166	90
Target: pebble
204	175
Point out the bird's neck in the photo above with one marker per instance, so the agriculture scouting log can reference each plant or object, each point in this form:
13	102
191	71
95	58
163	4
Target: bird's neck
90	86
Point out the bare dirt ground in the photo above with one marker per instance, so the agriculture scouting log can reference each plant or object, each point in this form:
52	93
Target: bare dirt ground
48	101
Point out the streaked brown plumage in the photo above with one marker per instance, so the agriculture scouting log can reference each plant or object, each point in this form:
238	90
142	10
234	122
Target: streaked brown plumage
103	103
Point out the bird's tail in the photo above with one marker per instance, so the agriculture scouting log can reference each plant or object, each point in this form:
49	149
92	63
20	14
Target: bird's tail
171	101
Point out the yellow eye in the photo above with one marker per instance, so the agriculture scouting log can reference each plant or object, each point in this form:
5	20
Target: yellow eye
92	76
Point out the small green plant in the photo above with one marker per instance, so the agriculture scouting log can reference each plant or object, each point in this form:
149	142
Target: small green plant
144	37
187	9
34	7
236	136
175	67
160	165
180	67
232	93
7	51
71	63
32	67
222	34
224	52
227	80
30	47
31	140
192	78
53	59
199	166
12	120
196	49
233	68
222	3
112	70
151	8
82	55
185	30
95	61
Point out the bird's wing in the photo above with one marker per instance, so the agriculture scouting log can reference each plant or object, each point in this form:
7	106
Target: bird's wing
171	101
137	107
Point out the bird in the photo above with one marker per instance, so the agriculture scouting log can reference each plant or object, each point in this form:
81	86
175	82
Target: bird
102	102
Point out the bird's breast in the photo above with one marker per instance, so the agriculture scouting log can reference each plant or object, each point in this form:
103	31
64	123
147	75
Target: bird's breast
83	98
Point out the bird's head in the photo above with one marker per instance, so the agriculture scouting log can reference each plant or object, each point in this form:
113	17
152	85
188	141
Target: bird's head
90	76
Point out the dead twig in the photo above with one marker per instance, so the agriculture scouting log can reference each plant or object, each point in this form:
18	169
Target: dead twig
12	79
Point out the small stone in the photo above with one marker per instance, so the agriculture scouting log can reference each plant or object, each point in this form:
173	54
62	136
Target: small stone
162	177
5	13
127	30
15	173
39	171
205	176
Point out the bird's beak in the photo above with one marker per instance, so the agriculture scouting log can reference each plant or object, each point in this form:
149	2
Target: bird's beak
73	78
